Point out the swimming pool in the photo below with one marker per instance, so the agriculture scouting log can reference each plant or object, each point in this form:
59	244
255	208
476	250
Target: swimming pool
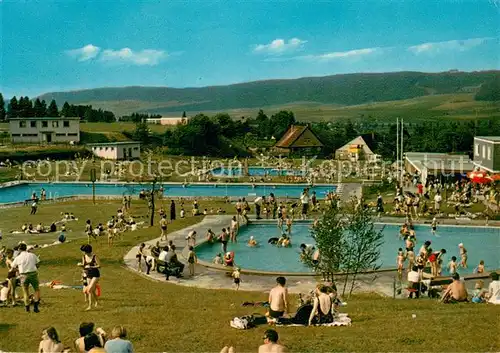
481	244
256	171
21	192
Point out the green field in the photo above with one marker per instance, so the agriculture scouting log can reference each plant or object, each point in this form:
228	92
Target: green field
163	317
428	108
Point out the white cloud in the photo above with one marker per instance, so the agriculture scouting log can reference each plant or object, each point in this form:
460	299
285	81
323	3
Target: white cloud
450	45
85	53
279	46
350	54
149	57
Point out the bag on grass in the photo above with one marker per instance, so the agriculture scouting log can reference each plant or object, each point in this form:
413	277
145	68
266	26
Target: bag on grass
239	323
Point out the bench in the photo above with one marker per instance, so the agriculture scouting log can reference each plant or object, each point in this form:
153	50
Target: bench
169	269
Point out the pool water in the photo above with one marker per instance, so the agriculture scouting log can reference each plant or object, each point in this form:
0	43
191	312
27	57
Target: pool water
481	244
18	193
256	171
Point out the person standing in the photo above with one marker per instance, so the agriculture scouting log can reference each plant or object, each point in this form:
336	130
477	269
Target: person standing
258	203
172	210
437	202
163	227
224	237
304	200
26	263
192	260
91	266
34	207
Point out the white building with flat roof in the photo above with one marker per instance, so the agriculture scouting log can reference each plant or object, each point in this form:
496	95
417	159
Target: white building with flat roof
45	130
116	150
166	120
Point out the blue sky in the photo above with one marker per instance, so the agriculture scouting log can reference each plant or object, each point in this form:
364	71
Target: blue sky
69	44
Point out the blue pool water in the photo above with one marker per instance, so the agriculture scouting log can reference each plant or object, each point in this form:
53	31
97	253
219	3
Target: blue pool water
481	244
22	192
256	171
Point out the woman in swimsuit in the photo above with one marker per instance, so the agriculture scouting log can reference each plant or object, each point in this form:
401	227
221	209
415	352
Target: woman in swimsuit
91	266
322	307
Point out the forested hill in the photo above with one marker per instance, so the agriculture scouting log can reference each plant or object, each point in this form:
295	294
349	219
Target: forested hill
348	89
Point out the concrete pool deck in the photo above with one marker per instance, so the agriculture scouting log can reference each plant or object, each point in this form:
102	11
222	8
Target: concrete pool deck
210	278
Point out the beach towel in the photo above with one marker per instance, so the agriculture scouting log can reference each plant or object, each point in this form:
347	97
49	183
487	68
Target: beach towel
341	320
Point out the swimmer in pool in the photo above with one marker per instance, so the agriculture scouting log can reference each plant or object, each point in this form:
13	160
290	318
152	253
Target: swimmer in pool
273	240
252	242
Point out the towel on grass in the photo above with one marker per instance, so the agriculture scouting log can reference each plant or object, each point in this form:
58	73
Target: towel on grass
341	320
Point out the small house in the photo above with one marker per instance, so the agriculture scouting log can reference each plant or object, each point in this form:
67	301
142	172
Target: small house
116	150
299	139
358	149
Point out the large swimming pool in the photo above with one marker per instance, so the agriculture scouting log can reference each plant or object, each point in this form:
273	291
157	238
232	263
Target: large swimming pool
21	192
255	171
481	244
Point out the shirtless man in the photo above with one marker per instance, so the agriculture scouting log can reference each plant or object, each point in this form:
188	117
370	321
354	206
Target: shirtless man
278	301
456	291
271	343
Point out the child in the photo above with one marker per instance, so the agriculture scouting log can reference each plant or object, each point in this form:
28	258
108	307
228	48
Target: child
289	225
192	260
236	275
252	242
452	265
218	259
434	226
479	292
4	292
400	261
183	213
463	255
480	267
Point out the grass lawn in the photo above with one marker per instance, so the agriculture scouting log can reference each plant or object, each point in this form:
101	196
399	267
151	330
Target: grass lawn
165	317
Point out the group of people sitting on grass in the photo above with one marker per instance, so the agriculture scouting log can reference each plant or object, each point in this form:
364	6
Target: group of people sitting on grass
90	341
456	291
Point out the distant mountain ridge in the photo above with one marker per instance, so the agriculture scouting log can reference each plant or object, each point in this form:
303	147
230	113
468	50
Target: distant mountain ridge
345	89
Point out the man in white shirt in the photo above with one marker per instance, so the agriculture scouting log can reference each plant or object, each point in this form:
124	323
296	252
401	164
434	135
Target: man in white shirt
437	202
414	282
163	254
26	263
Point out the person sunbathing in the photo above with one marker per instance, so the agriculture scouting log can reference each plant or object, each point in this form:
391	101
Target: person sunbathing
322	307
455	292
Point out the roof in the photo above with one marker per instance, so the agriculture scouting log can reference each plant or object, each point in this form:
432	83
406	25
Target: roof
440	161
364	140
293	134
47	118
488	138
114	143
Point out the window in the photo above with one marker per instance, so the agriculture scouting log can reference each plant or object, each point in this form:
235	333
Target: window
32	123
66	123
30	135
22	124
112	148
60	134
16	135
72	134
484	151
477	149
136	148
45	123
489	153
55	124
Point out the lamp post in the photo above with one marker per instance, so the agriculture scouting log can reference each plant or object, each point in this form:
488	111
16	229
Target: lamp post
93	178
155	180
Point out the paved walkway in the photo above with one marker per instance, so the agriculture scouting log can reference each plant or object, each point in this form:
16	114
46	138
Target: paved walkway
215	279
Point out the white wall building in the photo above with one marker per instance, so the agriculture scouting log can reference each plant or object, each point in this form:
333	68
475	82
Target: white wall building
168	120
116	150
45	130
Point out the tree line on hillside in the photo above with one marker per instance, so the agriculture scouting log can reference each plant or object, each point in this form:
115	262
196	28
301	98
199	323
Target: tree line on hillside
25	107
220	135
